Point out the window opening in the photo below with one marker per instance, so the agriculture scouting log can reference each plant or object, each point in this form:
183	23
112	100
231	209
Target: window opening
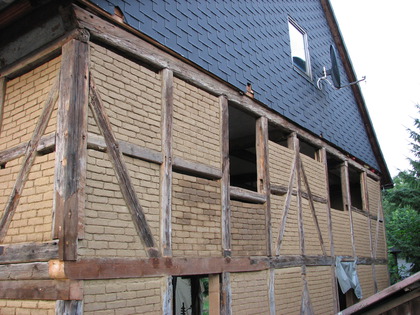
334	183
355	188
242	153
278	135
308	149
190	295
299	48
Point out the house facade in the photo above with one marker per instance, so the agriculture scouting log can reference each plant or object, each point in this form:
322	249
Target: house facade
172	157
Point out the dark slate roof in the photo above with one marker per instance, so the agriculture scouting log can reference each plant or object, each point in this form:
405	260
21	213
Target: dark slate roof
247	41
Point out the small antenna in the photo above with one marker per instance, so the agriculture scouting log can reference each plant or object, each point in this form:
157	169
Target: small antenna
334	72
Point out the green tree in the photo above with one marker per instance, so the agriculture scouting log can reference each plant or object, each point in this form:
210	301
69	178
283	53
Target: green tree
402	209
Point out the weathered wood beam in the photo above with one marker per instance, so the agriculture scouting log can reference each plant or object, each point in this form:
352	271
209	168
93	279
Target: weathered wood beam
214	294
30	154
46	144
168	161
25	271
364	213
225	295
345	188
71	147
121	171
28	252
263	174
167	296
50	290
237	193
129	43
196	169
73	307
225	180
3	82
282	190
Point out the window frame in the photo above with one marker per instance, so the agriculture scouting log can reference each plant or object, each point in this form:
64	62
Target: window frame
308	71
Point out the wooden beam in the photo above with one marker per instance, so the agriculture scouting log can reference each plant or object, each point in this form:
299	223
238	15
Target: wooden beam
282	190
225	180
28	161
71	146
271	291
109	34
226	295
50	290
241	194
69	307
166	168
121	171
3	82
214	294
195	169
345	188
263	174
167	296
46	144
25	271
28	252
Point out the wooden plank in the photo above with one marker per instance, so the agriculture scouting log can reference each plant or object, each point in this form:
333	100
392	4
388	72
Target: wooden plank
71	147
26	271
271	292
263	174
345	188
288	199
121	172
28	252
214	294
312	207
282	190
129	43
196	169
246	195
299	198
167	165
226	295
323	159
69	307
28	161
167	296
225	180
97	143
46	144
50	290
3	82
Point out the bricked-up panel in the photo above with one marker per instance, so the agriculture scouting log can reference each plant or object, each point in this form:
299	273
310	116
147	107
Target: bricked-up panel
248	229
122	296
381	249
365	275
32	221
132	97
24	101
196	129
196	217
250	292
341	232
288	286
315	173
320	289
361	234
109	229
290	243
374	191
35	307
382	276
280	160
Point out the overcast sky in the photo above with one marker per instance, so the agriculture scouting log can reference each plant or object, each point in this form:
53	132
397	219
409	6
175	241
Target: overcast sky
382	37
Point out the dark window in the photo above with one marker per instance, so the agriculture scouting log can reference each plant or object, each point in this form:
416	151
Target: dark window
355	188
334	183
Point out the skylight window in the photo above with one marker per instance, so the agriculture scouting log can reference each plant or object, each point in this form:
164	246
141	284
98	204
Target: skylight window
299	48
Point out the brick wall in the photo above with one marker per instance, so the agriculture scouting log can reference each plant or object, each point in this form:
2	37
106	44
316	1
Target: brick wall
320	289
365	275
374	193
248	229
250	292
27	307
196	125
341	232
132	97
381	247
315	173
382	276
122	296
280	159
361	234
109	229
288	290
24	101
196	217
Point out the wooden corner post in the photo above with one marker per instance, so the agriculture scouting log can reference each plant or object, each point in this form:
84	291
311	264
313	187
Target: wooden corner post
71	146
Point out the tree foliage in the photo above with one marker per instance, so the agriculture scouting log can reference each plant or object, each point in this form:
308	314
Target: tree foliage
402	208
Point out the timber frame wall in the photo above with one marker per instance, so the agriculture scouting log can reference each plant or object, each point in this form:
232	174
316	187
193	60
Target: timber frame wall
64	268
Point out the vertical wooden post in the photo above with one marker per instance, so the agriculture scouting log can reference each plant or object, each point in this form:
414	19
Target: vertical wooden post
263	174
2	99
167	294
323	159
214	294
69	307
71	145
225	181
271	293
345	187
166	168
225	295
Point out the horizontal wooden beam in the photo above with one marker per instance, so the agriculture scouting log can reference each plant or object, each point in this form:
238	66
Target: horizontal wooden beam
28	252
197	169
46	144
26	271
365	213
50	290
241	194
282	190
